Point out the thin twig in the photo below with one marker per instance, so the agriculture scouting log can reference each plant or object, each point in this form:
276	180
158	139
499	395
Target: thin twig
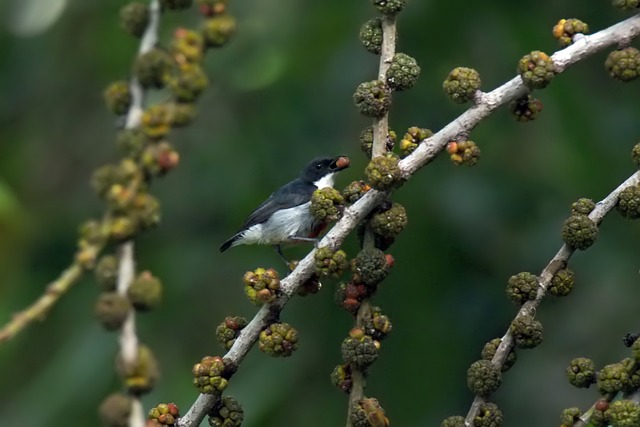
126	269
40	308
379	148
421	156
557	262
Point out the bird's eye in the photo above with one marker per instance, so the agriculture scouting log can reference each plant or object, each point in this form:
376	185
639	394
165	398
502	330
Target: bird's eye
319	166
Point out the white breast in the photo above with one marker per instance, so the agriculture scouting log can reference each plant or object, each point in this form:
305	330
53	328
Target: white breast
282	225
325	181
285	223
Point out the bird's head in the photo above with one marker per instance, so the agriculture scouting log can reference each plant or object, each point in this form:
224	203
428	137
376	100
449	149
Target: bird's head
320	171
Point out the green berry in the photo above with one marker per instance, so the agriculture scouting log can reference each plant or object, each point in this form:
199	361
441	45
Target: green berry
261	285
384	172
229	330
105	177
391	222
153	68
561	283
527	331
463	153
412	139
581	372
209	375
371	35
147	209
635	349
366	140
623	64
614	378
218	30
354	191
579	232
489	415
123	227
522	287
389	7
403	72
159	158
359	350
115	410
597	418
107	272
536	69
165	414
370	266
582	206
131	141
187	46
461	84
377	325
626	4
226	413
635	154
112	310
330	263
483	378
145	291
629	202
565	29
141	376
278	340
341	378
367	412
118	97
327	205
187	83
623	413
156	121
182	113
569	416
372	98
453	421
134	18
489	351
526	109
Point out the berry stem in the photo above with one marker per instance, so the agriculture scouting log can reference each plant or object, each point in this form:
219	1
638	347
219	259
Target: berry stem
387	50
379	148
126	270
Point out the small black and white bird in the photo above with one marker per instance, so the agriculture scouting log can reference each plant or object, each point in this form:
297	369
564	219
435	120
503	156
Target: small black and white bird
285	216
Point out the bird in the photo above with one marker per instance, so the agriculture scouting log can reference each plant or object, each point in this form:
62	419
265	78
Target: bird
285	216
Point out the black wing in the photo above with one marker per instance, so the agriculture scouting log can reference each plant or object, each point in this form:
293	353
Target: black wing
289	195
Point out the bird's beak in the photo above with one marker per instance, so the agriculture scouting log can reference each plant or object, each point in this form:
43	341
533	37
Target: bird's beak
339	163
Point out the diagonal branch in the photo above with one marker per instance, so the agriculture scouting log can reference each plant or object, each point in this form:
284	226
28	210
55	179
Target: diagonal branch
40	308
487	103
557	262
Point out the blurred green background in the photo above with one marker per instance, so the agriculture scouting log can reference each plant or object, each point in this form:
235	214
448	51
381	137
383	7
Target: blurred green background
281	94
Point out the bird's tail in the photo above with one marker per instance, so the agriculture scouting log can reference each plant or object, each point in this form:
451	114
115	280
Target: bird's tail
230	243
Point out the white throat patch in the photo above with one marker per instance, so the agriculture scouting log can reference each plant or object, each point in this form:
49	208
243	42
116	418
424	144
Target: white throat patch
325	181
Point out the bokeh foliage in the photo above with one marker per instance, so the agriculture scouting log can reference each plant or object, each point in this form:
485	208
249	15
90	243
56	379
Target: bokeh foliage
281	94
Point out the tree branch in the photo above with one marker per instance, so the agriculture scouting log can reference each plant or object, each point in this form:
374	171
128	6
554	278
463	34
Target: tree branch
126	268
557	262
422	155
379	148
39	309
